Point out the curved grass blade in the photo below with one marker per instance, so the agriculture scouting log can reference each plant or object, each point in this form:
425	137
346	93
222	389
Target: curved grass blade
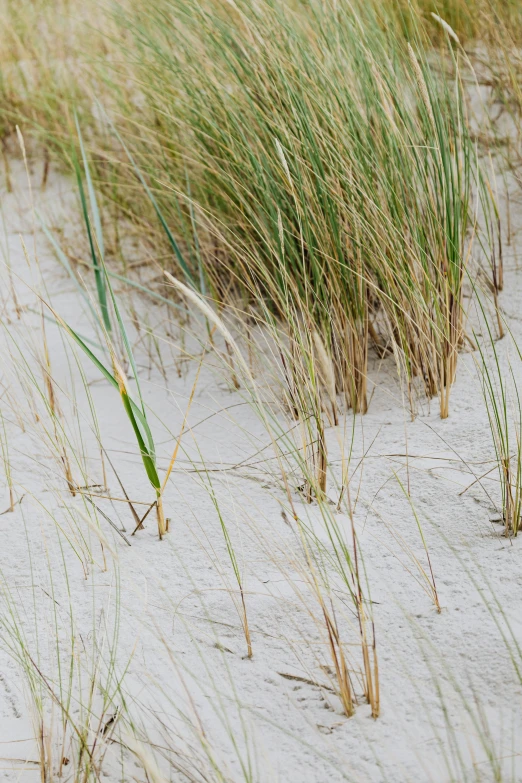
101	367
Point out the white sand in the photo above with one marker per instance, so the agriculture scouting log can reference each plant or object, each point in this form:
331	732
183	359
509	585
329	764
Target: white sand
179	631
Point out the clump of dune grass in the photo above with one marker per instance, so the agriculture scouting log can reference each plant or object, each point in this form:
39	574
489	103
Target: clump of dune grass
310	162
332	176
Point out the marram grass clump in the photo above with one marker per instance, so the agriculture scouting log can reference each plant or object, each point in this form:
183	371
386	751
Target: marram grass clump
320	170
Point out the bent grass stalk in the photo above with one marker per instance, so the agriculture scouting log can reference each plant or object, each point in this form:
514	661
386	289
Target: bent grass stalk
135	412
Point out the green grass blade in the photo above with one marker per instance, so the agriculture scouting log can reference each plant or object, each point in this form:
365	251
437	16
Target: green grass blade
101	367
98	271
147	458
103	283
